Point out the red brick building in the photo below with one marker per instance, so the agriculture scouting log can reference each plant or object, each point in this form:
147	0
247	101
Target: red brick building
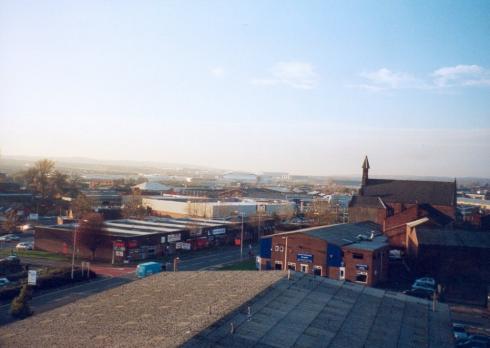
394	203
353	252
127	240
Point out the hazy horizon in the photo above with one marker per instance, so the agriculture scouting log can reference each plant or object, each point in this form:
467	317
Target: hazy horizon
305	88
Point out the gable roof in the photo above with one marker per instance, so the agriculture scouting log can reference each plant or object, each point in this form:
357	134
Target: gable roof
411	191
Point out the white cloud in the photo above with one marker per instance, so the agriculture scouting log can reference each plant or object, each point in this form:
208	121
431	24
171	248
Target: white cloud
384	79
217	71
442	78
461	75
300	75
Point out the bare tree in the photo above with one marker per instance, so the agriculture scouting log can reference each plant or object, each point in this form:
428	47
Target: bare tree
133	207
90	232
81	206
11	220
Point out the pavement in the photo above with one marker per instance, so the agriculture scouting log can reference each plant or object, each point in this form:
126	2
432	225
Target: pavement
113	276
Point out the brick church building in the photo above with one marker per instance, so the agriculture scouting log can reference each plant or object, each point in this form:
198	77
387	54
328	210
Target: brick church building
394	203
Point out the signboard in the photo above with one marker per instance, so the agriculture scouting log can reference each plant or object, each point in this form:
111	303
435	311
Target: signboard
361	267
132	244
218	231
120	253
304	258
163	240
183	246
173	237
32	277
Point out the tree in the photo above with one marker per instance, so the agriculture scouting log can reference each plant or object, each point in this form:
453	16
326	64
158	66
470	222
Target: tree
82	205
58	184
133	207
90	232
19	307
11	220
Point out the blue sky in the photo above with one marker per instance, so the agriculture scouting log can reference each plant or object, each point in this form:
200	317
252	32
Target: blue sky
305	87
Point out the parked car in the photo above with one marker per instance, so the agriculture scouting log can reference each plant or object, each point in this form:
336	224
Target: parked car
420	292
476	341
9	238
24	246
425	283
459	332
4	281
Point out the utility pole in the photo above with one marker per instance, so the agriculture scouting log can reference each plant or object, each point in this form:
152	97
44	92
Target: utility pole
73	252
241	240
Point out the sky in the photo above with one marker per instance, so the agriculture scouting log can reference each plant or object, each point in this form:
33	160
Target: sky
307	87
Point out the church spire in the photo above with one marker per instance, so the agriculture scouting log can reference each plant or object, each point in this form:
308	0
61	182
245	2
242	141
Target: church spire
365	172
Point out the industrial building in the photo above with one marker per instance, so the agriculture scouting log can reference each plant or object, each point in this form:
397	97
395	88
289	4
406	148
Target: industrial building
185	206
127	240
354	252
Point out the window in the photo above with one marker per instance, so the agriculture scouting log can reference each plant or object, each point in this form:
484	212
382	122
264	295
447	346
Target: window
281	249
342	273
304	268
317	270
292	266
278	265
357	256
361	278
276	248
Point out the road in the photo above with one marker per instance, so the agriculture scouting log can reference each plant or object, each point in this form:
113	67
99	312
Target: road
116	276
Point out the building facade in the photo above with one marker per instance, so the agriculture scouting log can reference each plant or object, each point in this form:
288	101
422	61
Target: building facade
353	252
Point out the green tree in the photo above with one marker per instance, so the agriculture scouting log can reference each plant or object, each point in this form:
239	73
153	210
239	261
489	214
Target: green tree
19	308
90	232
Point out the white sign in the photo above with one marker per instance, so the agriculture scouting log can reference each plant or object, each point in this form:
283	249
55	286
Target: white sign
186	246
163	240
219	231
178	245
119	253
32	277
173	237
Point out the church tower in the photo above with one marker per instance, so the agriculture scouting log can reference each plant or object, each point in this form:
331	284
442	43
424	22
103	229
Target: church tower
365	173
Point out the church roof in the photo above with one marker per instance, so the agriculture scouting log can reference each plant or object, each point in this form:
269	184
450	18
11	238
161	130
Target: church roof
411	191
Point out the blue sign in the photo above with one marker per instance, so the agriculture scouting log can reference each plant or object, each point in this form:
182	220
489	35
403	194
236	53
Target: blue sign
304	258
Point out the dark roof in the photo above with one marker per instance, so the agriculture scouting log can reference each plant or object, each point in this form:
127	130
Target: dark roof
453	238
411	191
343	234
368	202
435	215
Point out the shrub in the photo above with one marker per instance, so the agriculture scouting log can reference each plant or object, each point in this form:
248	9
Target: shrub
20	305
